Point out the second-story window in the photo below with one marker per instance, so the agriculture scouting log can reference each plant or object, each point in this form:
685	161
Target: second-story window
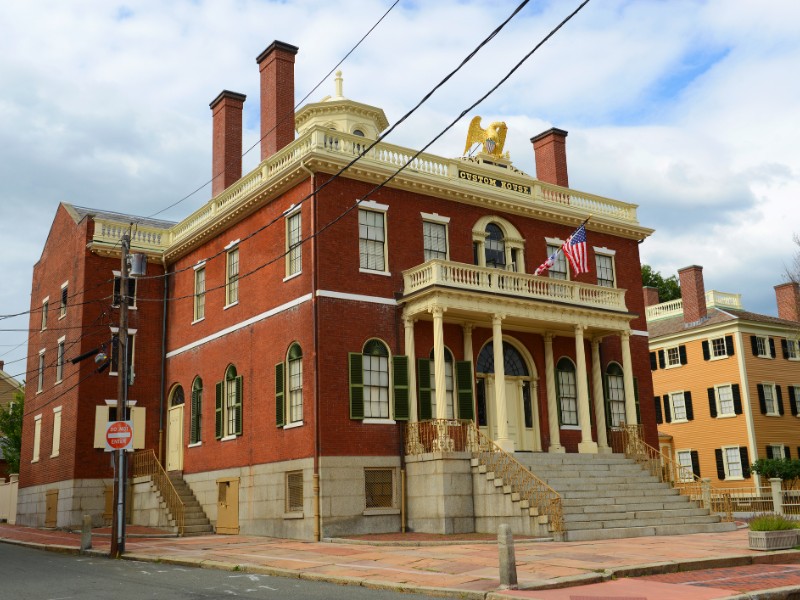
232	277
199	293
294	258
605	270
45	308
372	240
434	236
62	310
131	293
559	268
495	246
60	360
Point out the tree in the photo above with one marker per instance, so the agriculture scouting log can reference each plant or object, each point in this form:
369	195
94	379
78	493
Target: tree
785	469
793	271
668	289
11	431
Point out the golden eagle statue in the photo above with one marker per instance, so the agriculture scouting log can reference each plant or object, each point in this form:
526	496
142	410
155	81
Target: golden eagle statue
493	137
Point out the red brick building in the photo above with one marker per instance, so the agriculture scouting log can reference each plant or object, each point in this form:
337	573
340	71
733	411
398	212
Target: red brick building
309	317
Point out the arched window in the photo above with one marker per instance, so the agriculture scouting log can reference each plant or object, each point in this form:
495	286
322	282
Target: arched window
513	363
177	398
195	434
228	419
375	362
567	392
615	395
448	380
295	359
495	246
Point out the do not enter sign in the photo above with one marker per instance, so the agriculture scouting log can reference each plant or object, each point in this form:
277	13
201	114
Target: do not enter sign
119	436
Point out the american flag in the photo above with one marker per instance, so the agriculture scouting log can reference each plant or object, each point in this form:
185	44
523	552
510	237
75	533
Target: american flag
548	264
575	250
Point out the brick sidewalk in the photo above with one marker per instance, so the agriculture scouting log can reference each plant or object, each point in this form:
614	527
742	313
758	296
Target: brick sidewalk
471	569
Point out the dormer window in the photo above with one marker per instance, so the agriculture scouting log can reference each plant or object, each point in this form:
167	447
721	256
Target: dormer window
358	132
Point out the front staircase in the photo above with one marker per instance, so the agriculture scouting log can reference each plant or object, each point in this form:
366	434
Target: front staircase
608	496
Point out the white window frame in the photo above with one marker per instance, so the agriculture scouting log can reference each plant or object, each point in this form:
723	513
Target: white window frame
672	398
40	373
131	350
792	349
712	349
668	356
102	415
552	245
610	255
439	221
118	278
60	350
718	399
62	302
56	446
294	246
232	279
683	475
199	298
762	342
369	387
45	310
449	385
573	399
37	437
773	399
796	398
366	207
616	400
728	476
294	396
781	452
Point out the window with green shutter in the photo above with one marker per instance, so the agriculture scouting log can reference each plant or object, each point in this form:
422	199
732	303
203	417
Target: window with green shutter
400	380
356	385
218	412
424	388
197	411
229	403
280	420
466	403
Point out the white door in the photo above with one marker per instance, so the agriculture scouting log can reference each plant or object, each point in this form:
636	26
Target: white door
514	413
175	438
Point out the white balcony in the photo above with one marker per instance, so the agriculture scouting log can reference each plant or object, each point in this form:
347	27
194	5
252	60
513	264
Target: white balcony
463	277
673	308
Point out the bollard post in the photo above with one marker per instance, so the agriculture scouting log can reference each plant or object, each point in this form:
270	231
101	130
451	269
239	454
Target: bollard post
86	533
508	561
705	485
777	495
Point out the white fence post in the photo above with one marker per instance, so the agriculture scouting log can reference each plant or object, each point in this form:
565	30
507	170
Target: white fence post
777	494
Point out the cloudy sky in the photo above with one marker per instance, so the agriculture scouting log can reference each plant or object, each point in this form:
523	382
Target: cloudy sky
687	108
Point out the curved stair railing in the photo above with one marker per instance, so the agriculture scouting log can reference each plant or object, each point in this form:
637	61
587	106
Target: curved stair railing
629	440
146	464
437	435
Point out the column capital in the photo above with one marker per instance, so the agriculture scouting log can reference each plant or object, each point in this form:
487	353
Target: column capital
436	310
579	329
548	336
625	334
468	327
497	318
409	321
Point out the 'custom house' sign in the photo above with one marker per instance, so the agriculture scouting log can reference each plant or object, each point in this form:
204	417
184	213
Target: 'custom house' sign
494	182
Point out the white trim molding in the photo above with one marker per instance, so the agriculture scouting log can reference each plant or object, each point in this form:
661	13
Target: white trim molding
356	297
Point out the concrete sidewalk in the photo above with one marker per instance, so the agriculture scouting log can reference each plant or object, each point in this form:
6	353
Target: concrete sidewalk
688	566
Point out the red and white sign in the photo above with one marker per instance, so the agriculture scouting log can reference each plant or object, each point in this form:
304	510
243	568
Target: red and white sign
119	436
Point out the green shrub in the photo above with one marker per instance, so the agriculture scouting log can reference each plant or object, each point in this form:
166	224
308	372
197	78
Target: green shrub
777	467
772	522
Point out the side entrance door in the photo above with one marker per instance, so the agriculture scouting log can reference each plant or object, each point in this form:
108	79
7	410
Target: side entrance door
175	438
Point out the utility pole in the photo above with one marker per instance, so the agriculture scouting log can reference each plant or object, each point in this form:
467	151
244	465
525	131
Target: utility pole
120	472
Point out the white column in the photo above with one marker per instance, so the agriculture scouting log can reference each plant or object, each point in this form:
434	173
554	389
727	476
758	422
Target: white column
467	329
438	362
552	401
408	323
586	445
500	385
627	378
599	407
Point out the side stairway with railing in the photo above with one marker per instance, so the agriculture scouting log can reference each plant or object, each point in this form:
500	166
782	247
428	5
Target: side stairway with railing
629	440
146	464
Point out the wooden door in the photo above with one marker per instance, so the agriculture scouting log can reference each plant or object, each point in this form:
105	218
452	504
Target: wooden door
228	506
175	438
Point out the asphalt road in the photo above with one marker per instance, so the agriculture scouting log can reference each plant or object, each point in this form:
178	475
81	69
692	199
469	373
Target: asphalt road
30	574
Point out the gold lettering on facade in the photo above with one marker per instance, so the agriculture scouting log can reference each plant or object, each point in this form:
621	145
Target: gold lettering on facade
493	182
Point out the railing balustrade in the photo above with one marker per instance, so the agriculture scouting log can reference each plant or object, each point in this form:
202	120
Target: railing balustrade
146	464
455	435
486	279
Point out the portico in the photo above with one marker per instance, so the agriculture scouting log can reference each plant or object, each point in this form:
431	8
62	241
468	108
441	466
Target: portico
511	305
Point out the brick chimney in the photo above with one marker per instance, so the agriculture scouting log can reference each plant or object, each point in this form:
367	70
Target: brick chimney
693	293
788	297
650	295
226	149
550	151
276	65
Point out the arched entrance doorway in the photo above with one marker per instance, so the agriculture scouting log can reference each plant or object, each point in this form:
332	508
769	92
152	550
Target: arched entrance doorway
521	397
175	429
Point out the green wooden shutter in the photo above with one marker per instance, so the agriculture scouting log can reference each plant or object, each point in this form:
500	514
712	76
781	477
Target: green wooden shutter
194	435
238	404
356	385
606	400
400	381
218	415
466	403
424	388
636	397
280	396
